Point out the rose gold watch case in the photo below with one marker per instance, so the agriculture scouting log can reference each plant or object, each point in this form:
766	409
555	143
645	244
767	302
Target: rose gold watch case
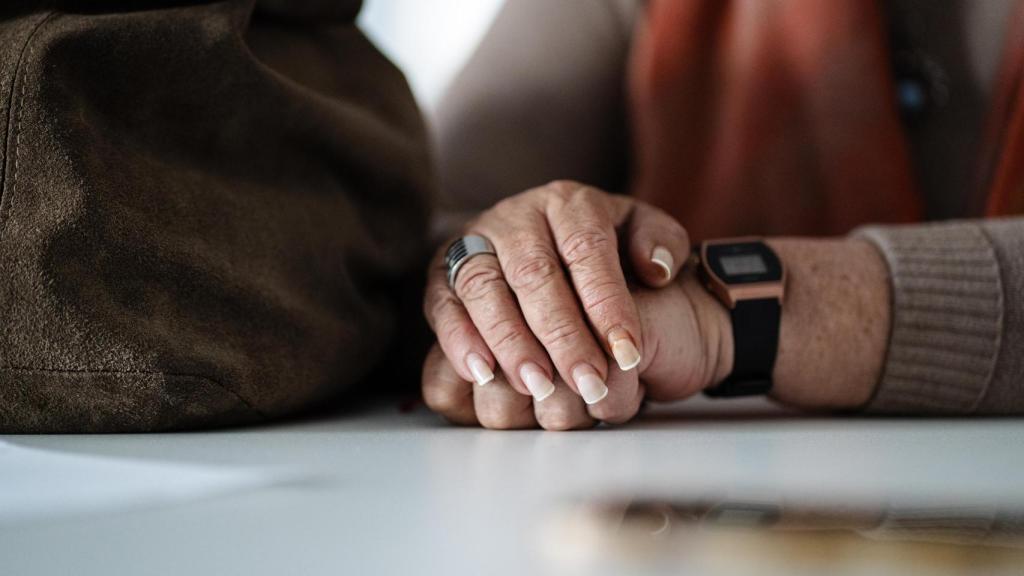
729	295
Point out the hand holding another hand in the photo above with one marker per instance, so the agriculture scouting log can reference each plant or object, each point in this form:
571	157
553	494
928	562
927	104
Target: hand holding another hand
553	305
688	339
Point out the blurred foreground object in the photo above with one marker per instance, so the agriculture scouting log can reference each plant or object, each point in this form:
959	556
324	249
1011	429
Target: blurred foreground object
209	211
767	538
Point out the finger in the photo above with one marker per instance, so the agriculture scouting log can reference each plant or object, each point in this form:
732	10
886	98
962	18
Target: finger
458	337
583	224
499	407
563	410
493	309
534	272
625	396
658	245
445	392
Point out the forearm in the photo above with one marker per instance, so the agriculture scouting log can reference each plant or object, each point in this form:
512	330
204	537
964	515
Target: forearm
833	332
835	323
917	319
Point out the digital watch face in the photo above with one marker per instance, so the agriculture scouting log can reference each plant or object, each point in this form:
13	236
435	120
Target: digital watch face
743	262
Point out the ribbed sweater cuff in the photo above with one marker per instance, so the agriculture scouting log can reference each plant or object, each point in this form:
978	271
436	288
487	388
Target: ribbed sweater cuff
947	313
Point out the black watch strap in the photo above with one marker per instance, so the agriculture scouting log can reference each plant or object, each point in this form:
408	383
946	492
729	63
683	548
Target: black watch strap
755	335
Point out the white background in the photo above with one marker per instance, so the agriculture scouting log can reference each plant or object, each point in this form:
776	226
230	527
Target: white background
429	40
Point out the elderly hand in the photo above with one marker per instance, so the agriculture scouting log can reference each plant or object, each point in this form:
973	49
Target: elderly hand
832	344
689	342
554	304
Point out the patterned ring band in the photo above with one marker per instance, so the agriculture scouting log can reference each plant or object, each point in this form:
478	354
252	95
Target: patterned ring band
462	250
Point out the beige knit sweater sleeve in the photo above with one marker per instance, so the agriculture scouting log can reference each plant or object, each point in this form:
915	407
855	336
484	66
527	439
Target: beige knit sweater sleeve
957	338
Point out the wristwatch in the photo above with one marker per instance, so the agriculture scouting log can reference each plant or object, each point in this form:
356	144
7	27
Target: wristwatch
748	278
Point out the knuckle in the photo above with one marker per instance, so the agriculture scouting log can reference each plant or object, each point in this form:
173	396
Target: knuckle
533	271
564	183
609	414
498	215
587	243
440	399
561	418
581	195
442	389
613	412
562	187
451	330
440	307
502	418
505	333
560	334
477	280
603	298
502	206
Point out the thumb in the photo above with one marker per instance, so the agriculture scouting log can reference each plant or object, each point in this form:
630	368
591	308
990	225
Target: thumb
658	246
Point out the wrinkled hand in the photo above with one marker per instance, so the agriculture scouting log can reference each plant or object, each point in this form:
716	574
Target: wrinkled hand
689	342
554	304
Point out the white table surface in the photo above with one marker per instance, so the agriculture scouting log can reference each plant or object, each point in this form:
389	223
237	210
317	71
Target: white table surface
380	492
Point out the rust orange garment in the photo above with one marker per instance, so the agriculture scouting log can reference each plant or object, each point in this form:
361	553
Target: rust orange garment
780	118
1003	175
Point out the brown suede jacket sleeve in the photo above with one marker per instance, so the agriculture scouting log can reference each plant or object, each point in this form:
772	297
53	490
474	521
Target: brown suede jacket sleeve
208	214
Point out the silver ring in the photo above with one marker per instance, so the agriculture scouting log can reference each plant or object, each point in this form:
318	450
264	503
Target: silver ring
462	250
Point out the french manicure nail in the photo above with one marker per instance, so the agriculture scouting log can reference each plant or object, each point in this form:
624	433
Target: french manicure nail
623	349
663	258
589	384
479	368
537	382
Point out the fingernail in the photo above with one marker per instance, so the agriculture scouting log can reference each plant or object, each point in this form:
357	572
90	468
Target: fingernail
537	382
623	348
663	258
589	384
478	367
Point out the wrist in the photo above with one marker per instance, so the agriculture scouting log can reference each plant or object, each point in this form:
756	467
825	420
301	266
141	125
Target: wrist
835	324
833	328
715	327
